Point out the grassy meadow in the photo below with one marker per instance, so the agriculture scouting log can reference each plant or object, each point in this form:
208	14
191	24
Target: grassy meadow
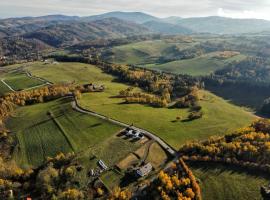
219	117
17	81
40	135
145	52
219	182
199	66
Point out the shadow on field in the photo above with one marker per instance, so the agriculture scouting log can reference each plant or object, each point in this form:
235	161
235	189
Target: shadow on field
95	125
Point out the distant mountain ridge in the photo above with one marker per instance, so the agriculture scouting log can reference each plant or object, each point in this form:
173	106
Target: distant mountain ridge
222	25
169	25
137	17
167	28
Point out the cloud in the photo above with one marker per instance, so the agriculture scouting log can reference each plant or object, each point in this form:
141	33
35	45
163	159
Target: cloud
245	14
160	8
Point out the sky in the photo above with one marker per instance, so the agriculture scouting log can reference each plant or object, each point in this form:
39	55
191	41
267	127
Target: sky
259	9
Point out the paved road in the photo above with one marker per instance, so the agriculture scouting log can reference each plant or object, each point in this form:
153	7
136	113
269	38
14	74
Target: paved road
148	134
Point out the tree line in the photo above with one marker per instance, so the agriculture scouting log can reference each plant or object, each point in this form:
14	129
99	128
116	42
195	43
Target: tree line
247	147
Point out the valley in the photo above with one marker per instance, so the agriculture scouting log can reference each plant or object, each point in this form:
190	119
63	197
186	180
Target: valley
125	105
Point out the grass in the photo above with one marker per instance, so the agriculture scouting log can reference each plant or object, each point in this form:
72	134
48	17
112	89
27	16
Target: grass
219	182
3	88
220	117
241	95
20	81
39	136
144	52
67	72
203	65
17	80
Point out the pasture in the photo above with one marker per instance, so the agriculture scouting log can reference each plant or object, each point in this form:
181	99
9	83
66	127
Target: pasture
219	117
145	52
218	182
17	80
41	135
199	66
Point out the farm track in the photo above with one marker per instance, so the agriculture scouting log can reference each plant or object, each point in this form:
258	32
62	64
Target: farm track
148	134
72	146
9	87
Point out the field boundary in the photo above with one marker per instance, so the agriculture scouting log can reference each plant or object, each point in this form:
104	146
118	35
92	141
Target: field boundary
62	130
38	78
9	87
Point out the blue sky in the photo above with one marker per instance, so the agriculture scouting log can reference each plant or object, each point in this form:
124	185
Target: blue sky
183	8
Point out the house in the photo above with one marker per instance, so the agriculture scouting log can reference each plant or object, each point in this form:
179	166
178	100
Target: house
144	170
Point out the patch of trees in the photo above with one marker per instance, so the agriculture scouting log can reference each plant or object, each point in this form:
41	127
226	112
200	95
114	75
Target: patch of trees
53	180
17	48
144	98
247	147
149	80
175	182
253	69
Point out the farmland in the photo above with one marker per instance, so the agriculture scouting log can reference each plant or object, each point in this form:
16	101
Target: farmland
219	118
40	136
219	182
145	52
203	65
17	80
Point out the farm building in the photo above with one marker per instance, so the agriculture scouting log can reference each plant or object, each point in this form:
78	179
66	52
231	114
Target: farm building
144	170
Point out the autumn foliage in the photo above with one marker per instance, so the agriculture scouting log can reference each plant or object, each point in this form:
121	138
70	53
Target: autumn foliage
176	182
248	147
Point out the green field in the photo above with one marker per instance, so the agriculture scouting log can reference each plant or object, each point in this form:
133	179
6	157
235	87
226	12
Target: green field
145	52
18	81
220	116
40	135
3	88
222	183
203	65
67	72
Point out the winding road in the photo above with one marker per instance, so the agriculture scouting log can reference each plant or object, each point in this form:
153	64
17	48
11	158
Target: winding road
148	134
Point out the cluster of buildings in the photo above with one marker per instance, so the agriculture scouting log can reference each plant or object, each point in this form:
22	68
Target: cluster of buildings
134	134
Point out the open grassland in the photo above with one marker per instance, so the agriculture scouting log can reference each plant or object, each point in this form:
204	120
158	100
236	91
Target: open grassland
40	135
3	88
20	81
203	65
145	52
219	117
218	183
68	72
17	81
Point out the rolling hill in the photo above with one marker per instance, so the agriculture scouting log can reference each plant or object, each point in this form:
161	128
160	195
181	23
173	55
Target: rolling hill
222	25
167	28
137	17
